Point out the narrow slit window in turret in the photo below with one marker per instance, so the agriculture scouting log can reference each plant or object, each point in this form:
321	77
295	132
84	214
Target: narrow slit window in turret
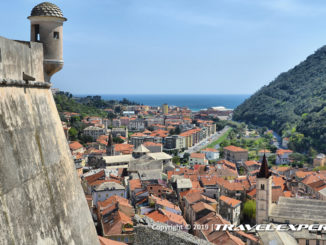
56	35
37	32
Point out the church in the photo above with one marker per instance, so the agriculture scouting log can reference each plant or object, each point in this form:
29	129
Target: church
288	210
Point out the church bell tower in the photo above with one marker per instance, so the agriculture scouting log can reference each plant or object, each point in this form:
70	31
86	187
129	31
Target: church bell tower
264	193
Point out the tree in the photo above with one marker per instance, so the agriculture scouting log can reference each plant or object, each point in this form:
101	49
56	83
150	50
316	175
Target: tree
273	148
73	133
176	160
298	159
249	211
118	140
241	171
186	157
271	159
111	115
177	130
85	139
74	119
117	109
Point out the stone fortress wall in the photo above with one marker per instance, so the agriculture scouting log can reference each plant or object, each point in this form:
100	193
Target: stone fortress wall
17	57
41	199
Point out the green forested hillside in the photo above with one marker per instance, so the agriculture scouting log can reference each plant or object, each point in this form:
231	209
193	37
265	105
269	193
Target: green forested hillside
66	102
294	104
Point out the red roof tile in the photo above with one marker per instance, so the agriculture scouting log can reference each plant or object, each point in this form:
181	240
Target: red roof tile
135	184
230	201
198	155
235	149
283	151
75	145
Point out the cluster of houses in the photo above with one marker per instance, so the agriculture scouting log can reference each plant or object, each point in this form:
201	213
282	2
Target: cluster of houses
138	177
172	129
145	182
148	184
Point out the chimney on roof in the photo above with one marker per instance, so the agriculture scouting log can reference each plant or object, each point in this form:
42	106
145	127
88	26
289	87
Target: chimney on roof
264	171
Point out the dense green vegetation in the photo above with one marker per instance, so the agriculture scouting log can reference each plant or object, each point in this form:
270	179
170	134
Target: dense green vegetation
89	105
97	102
253	144
293	105
66	103
249	212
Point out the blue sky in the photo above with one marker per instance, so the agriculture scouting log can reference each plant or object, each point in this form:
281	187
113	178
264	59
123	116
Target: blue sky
176	46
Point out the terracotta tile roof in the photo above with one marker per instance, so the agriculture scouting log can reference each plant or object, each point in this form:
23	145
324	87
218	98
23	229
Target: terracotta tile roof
244	182
116	227
157	216
276	194
193	197
148	143
145	199
135	184
147	132
113	200
212	180
252	193
230	201
287	193
254	173
318	185
190	192
164	202
235	186
251	163
91	178
280	168
103	137
199	206
198	155
235	148
102	142
283	151
121	137
227	163
175	218
189	132
278	181
180	171
99	182
302	174
138	135
141	192
124	148
195	184
75	145
158	189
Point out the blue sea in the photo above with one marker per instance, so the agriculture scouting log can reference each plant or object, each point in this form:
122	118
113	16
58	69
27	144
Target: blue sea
194	102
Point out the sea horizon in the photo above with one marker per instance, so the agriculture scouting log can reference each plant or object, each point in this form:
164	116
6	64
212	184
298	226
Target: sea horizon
195	102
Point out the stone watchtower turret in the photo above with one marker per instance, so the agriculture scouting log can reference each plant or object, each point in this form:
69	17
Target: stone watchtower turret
264	193
46	27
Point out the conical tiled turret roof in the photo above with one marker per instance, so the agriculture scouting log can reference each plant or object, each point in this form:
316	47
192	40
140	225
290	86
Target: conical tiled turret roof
264	171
